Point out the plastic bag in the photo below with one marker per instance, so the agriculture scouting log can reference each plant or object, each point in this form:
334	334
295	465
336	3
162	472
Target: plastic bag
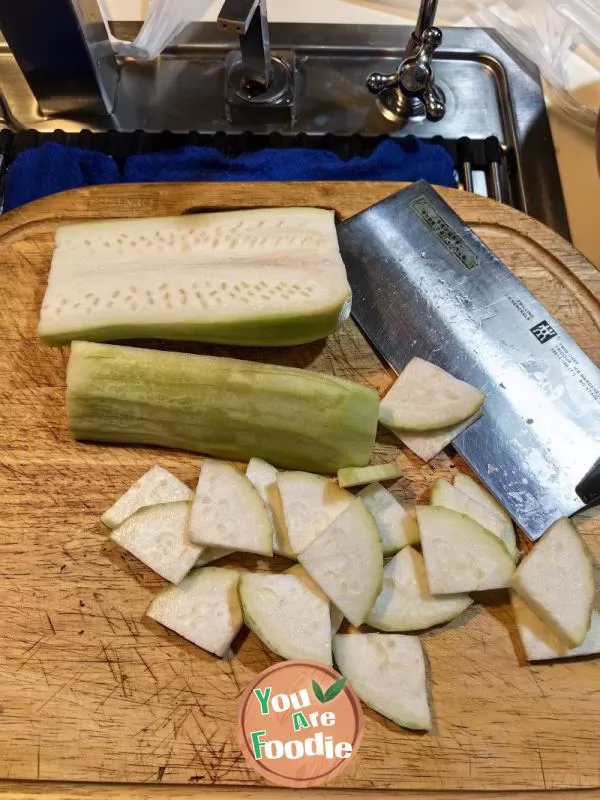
164	21
550	33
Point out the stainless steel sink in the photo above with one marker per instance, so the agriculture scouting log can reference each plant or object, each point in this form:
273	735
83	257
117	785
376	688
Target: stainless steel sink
489	89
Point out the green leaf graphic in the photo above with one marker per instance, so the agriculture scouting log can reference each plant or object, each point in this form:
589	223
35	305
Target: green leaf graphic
318	692
334	689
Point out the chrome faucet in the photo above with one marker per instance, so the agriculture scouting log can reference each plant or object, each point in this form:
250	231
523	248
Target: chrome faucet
259	84
248	18
411	88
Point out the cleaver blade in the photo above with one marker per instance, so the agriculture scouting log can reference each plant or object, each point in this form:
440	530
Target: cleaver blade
425	285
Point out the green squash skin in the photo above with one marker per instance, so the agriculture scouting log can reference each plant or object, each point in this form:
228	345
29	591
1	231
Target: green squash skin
347	478
223	407
268	331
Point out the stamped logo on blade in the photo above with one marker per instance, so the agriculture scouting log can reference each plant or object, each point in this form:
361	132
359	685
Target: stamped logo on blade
451	240
543	331
299	724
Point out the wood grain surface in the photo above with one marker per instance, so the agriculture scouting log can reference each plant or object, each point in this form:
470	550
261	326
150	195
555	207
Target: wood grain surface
91	690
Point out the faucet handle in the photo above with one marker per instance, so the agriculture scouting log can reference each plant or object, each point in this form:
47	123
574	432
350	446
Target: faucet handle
414	77
415	70
431	39
433	101
377	81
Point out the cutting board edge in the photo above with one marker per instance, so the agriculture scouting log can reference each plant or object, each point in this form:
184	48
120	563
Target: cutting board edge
50	790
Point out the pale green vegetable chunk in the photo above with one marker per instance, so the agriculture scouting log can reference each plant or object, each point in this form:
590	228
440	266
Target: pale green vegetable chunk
264	477
204	608
396	526
336	615
287	615
542	644
556	580
228	512
346	561
445	494
157	536
460	555
387	672
310	504
406	603
257	277
429	444
476	491
425	397
223	407
357	476
156	486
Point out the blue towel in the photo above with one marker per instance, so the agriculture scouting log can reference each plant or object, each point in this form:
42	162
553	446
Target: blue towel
53	167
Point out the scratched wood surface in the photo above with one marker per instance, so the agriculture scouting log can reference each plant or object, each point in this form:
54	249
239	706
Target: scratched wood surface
90	690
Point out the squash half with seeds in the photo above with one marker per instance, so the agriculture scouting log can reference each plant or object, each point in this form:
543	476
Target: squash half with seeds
257	277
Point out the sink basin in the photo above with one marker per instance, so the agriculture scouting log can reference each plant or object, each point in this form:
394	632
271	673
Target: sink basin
490	91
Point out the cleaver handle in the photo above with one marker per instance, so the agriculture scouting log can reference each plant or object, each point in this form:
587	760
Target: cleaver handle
589	487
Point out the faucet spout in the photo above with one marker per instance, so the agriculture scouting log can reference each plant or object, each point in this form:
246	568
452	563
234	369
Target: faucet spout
259	84
426	18
248	18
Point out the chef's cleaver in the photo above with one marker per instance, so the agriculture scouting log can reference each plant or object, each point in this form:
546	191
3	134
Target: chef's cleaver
425	285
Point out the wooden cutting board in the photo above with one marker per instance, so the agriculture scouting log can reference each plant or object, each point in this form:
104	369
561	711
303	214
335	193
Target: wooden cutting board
90	690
